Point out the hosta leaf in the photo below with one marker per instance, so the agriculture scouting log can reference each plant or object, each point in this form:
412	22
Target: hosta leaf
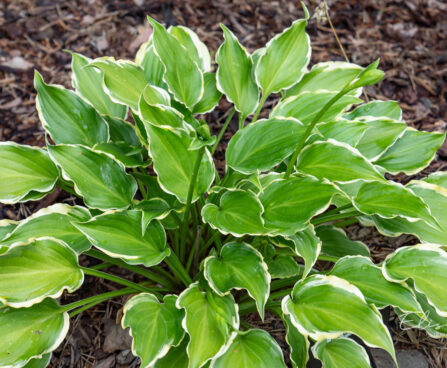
158	115
24	170
155	327
285	59
154	208
123	80
308	246
122	131
234	77
39	362
438	178
290	203
88	83
28	333
239	213
55	222
315	309
426	265
436	199
380	135
239	266
298	343
340	353
336	162
283	267
99	179
389	109
431	321
153	68
412	152
154	95
307	105
120	235
197	50
330	76
211	95
177	356
345	131
174	163
182	74
6	227
210	322
361	272
263	144
390	200
67	117
30	272
129	156
335	243
251	349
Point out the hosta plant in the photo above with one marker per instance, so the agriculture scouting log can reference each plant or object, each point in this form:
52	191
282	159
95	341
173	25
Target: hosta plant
132	142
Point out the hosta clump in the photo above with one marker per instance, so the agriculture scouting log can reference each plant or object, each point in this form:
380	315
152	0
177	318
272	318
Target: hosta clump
132	142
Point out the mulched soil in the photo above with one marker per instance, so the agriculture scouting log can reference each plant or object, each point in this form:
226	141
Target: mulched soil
410	37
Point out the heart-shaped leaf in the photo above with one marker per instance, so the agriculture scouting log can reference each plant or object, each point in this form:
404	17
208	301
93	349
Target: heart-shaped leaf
120	235
239	266
251	349
45	325
25	170
155	327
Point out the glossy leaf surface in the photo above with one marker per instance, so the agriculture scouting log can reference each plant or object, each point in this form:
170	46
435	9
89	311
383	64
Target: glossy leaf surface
340	353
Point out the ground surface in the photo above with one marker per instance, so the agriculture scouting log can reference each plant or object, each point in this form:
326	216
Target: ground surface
410	37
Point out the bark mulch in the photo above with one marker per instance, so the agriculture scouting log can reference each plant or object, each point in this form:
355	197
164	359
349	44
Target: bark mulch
410	37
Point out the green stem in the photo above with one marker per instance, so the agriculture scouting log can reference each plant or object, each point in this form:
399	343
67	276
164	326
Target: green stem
278	284
338	209
346	222
101	266
250	307
222	131
241	121
66	187
116	279
322	257
258	110
309	130
140	184
177	268
322	219
210	242
82	309
138	270
188	202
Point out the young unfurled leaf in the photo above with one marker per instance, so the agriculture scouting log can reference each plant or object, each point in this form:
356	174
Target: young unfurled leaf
122	131
123	80
88	83
45	325
263	144
307	105
40	268
336	162
412	152
329	76
159	115
335	243
182	74
361	272
196	49
234	74
67	117
211	95
239	213
285	59
174	162
298	343
98	178
151	64
239	266
436	199
314	308
154	95
55	222
389	200
426	265
155	327
289	204
251	349
154	208
120	235
368	76
211	322
379	109
381	134
345	131
341	353
24	170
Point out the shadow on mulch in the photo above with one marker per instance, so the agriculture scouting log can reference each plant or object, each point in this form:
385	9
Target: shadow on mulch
410	37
